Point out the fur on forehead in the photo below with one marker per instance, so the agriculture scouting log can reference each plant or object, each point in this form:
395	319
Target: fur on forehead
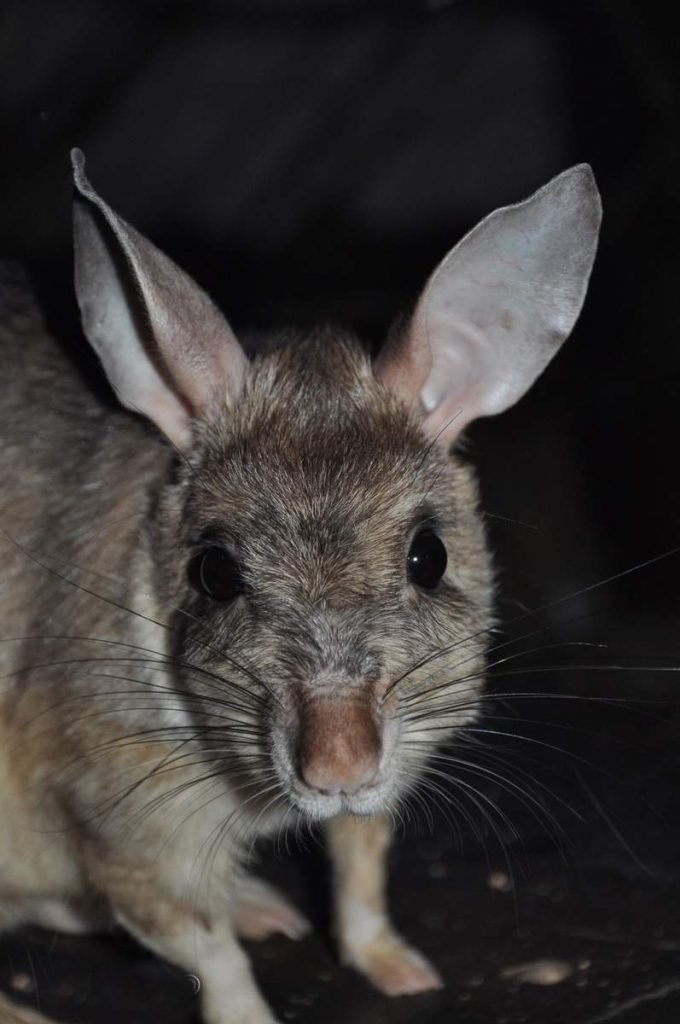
316	470
315	395
314	432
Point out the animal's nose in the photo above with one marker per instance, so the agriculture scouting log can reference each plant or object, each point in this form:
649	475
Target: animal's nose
339	746
333	775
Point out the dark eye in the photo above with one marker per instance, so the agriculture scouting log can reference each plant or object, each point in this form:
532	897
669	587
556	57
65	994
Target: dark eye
426	560
216	573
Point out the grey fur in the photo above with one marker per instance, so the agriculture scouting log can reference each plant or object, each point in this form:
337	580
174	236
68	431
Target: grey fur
148	735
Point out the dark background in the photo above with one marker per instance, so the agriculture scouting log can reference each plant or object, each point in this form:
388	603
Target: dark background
313	160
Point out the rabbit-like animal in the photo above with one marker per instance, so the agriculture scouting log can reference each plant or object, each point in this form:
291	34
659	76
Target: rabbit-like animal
269	603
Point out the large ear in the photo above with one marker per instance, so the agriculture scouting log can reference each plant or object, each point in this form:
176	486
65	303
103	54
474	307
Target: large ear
168	351
498	307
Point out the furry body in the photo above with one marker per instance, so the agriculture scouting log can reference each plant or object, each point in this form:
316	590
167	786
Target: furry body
273	612
104	758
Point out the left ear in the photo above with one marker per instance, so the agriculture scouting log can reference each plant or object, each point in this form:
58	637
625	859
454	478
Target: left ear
166	348
498	307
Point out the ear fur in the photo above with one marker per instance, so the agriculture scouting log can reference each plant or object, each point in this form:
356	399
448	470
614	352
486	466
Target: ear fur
167	350
498	307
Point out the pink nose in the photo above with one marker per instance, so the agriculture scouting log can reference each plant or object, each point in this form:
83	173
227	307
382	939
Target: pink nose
339	746
331	778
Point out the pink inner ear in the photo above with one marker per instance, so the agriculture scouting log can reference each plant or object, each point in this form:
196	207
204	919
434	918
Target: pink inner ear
404	363
173	418
454	392
430	375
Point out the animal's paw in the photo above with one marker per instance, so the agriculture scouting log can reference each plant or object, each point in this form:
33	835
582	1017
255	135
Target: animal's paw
261	911
394	967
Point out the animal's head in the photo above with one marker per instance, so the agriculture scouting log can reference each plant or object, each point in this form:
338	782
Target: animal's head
320	535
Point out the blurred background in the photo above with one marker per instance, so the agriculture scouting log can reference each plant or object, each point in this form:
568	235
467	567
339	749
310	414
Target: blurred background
313	160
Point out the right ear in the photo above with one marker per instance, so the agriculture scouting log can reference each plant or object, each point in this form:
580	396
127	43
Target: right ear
166	348
497	308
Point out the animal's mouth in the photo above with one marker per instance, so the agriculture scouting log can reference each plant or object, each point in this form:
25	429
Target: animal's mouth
317	806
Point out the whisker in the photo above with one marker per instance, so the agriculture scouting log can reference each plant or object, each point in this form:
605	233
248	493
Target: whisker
557	602
419	695
131	611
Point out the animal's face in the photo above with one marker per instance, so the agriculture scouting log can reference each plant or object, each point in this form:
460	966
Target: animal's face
328	550
318	504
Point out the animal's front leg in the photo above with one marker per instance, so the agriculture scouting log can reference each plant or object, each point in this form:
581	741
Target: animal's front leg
202	944
365	935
